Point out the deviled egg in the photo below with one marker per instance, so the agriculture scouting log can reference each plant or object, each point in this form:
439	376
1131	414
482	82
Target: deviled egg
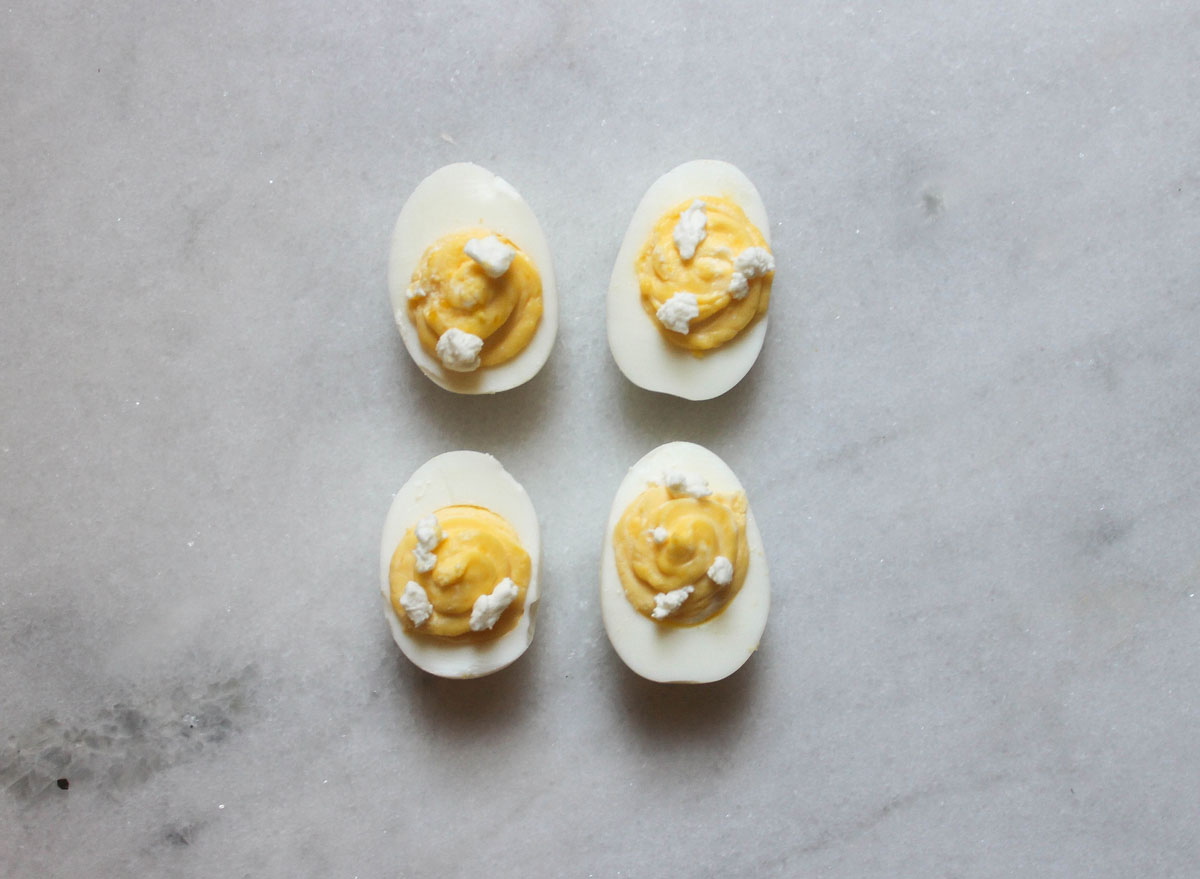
684	586
687	302
459	566
471	282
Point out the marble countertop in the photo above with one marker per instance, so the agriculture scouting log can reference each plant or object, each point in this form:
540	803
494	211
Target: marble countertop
971	442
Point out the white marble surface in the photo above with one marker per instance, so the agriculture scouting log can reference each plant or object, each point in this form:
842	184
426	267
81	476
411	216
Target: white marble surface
971	442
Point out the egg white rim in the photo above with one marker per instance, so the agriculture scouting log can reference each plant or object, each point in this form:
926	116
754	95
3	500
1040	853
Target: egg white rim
695	654
454	197
641	353
463	477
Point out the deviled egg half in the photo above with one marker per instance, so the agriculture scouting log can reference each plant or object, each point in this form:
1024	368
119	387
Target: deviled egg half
684	586
459	566
471	283
687	302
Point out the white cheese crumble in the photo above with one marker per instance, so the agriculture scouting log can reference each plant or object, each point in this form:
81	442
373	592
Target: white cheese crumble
738	286
659	534
678	312
691	229
459	351
689	484
492	254
416	603
429	532
487	608
721	571
415	292
751	263
426	561
429	535
666	603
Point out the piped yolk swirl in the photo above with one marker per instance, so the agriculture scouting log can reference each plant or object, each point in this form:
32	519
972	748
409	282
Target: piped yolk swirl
456	293
478	549
662	273
697	532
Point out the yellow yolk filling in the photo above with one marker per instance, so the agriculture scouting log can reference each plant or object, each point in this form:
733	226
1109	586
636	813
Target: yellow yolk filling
458	293
698	530
662	273
478	549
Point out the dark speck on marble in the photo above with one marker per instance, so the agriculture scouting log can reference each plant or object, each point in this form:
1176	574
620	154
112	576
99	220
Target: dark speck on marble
933	203
1106	532
179	835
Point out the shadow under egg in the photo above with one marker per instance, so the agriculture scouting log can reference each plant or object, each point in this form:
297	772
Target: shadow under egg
657	418
668	715
472	708
476	421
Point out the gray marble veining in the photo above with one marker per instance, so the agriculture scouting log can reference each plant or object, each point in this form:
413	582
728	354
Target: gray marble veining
971	442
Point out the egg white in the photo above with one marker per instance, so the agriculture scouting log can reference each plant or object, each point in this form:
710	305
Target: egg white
456	197
698	654
644	356
462	478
